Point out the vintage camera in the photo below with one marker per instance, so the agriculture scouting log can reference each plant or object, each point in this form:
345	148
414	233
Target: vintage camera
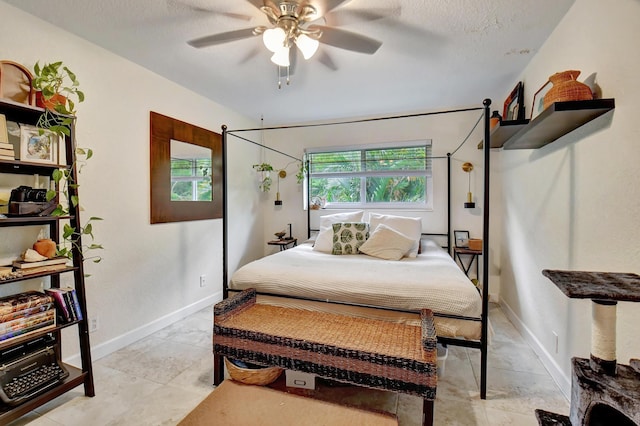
27	201
26	193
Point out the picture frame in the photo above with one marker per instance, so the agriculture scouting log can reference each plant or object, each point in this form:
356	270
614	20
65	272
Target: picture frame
38	145
513	106
538	99
461	238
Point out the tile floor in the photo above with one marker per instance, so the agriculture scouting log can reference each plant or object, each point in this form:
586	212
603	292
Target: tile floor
158	380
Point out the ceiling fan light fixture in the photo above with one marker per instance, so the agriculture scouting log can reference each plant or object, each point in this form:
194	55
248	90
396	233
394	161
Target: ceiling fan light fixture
307	45
274	39
281	57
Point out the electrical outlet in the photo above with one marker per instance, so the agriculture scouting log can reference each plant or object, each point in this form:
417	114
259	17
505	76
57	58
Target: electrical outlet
555	340
93	324
203	280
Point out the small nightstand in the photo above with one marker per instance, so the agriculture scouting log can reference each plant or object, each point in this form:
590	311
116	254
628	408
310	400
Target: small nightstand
284	244
473	255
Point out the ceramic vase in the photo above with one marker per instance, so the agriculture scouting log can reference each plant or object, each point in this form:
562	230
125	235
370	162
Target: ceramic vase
567	88
45	247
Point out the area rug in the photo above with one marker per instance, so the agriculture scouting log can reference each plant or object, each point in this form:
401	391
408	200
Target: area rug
235	404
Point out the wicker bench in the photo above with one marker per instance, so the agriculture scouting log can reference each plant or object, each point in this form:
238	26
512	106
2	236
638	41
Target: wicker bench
365	352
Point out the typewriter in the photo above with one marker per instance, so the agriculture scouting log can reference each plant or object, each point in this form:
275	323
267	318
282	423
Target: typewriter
29	369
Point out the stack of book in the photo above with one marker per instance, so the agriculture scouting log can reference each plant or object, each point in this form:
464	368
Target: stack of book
67	303
7	151
26	313
48	265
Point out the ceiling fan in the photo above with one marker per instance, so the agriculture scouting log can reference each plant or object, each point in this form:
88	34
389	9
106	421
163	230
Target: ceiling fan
296	22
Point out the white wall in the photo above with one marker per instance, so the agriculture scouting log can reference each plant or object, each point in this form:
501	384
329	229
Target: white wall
574	203
446	132
149	275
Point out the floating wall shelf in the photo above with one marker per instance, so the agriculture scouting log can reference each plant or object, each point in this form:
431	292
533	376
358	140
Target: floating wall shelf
554	122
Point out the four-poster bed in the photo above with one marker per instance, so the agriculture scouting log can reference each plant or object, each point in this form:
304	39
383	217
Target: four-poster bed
254	274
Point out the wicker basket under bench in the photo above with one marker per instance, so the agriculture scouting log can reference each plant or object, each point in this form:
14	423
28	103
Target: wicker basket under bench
372	353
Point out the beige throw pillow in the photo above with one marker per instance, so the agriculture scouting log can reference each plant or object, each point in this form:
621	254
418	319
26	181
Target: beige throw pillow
408	226
387	243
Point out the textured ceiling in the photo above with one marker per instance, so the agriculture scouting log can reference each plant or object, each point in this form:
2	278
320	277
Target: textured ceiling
434	54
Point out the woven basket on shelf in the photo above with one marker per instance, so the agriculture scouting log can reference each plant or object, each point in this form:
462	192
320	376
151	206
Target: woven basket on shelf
253	376
567	88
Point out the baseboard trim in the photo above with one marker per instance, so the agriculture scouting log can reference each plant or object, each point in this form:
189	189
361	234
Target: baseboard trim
110	346
563	381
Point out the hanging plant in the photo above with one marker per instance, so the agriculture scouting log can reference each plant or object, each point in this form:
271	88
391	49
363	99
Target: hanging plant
302	171
265	170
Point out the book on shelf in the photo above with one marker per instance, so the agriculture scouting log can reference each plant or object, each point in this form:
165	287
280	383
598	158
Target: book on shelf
7	151
21	301
27	322
4	134
7	157
61	304
67	302
6	145
21	264
76	303
26	312
38	328
40	269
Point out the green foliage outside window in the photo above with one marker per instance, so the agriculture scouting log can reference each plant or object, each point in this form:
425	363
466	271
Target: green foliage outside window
389	175
191	180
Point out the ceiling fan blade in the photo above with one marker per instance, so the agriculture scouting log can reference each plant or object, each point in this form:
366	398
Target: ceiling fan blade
259	3
325	59
354	16
215	39
182	5
255	51
347	40
325	6
293	60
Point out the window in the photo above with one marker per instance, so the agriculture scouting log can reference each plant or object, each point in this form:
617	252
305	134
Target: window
191	174
191	179
397	175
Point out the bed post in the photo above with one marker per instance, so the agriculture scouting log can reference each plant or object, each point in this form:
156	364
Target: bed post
449	204
305	162
485	252
225	216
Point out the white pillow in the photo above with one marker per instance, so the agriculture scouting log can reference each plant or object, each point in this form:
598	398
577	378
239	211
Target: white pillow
408	226
386	243
324	240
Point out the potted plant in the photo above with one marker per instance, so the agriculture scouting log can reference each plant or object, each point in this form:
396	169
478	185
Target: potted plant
57	89
265	170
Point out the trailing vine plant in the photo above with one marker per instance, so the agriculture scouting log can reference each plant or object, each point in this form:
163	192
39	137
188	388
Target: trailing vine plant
70	235
58	85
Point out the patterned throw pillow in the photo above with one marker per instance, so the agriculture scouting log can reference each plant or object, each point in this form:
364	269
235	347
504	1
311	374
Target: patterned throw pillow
348	236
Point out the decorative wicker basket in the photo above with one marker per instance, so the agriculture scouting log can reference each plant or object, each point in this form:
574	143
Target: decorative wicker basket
567	88
253	376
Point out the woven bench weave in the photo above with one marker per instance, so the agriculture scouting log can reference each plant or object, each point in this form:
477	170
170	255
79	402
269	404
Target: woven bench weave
372	353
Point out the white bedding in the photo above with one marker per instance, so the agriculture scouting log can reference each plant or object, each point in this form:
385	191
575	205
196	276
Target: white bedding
431	280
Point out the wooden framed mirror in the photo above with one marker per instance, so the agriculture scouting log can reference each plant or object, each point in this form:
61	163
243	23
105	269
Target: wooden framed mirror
186	171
